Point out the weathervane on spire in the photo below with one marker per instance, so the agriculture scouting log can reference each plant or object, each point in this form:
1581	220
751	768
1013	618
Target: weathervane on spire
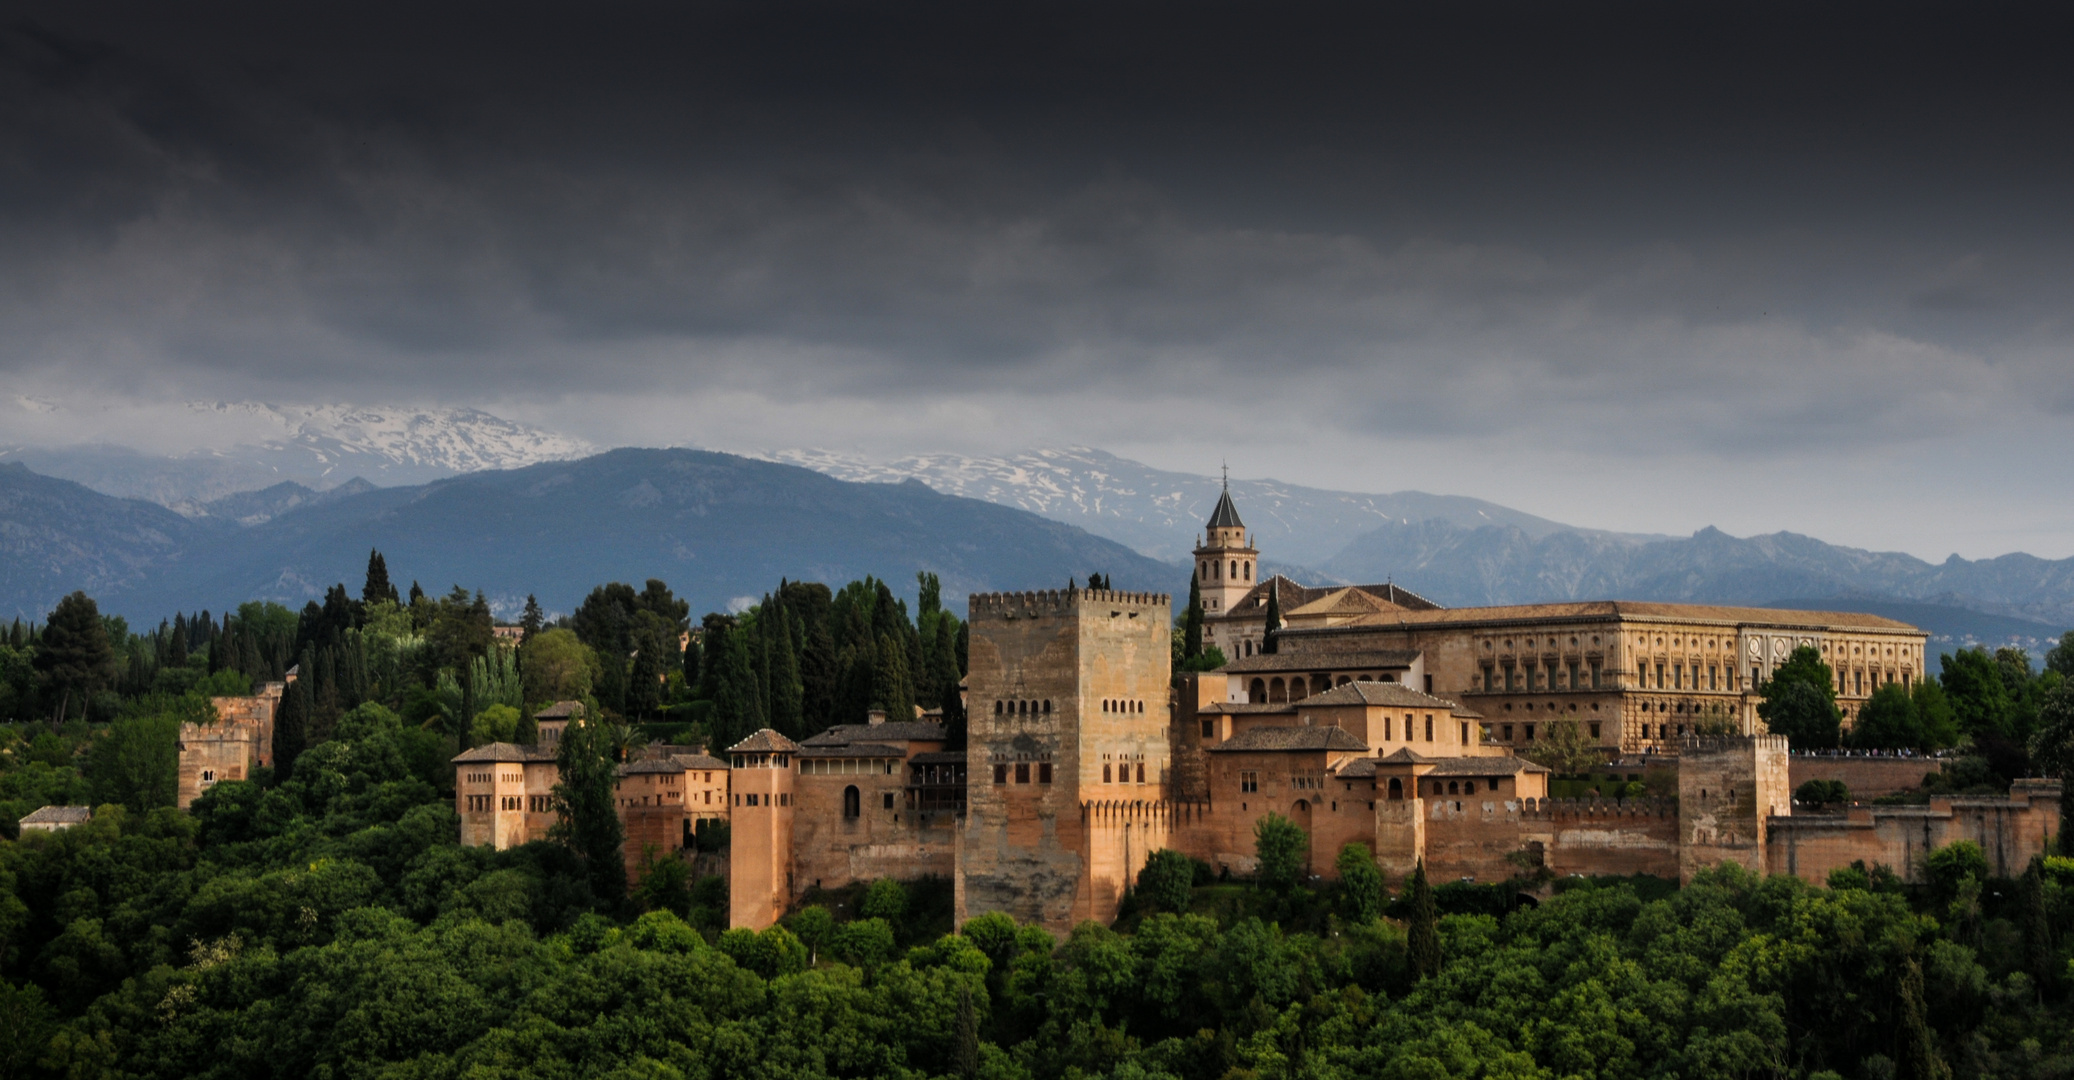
1227	475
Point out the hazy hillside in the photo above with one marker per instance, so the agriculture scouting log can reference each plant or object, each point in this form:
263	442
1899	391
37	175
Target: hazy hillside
1161	513
716	527
1494	565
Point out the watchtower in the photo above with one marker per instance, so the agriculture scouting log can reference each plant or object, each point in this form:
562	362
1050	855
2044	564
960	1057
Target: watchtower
1067	693
1226	563
1728	788
759	864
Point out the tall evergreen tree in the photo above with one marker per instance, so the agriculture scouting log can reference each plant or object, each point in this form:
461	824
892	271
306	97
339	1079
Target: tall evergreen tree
787	706
1422	937
1192	621
291	728
74	658
1915	1048
531	620
378	586
1274	620
589	816
176	650
891	689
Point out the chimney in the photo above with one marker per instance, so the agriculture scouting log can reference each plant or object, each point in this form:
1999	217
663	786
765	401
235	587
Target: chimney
876	716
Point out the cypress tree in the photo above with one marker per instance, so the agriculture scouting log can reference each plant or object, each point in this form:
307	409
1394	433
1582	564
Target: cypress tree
533	619
891	689
1192	621
589	824
1274	620
966	1050
291	729
378	586
1915	1050
176	653
1423	935
787	700
2036	926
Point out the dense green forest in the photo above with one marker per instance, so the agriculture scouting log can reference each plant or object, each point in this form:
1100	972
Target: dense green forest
321	918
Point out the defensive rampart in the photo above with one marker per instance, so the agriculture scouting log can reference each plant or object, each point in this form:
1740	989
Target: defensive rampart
2009	831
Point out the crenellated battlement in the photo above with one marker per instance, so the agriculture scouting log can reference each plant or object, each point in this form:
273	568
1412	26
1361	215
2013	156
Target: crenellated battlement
1575	809
1729	744
1010	605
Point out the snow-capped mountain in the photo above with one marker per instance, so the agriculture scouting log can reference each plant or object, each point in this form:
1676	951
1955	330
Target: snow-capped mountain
320	446
1160	513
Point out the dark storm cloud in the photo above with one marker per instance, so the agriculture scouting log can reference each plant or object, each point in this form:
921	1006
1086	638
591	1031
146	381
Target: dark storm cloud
1424	221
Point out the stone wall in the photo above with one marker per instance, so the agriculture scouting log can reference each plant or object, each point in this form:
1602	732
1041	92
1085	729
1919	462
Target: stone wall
1728	788
2009	830
831	849
1867	778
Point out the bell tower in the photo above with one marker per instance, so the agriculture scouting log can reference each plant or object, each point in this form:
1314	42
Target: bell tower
1226	565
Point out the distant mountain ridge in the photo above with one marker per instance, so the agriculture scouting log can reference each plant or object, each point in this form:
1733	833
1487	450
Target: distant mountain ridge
1161	513
1494	565
720	529
317	446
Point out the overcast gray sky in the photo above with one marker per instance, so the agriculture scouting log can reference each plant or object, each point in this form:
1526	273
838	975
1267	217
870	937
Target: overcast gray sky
1625	266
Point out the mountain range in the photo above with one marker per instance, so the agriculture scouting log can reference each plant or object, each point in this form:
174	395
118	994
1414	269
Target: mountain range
317	446
309	474
720	529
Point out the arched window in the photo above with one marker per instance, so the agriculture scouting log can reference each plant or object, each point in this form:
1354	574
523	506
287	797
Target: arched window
853	803
1235	568
1396	789
1276	691
1256	693
1047	706
997	708
1453	788
1249	569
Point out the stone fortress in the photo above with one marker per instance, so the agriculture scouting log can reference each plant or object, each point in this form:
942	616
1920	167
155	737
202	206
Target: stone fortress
1380	718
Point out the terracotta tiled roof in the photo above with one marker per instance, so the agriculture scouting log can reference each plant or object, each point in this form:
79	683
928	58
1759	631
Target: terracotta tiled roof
502	752
1388	694
850	750
1291	738
698	761
560	710
1611	609
59	815
1322	660
939	757
1292	596
765	741
1505	765
890	731
1248	708
650	765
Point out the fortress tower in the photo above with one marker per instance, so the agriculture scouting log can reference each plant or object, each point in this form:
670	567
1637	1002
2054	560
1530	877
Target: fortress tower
759	880
1226	564
1068	697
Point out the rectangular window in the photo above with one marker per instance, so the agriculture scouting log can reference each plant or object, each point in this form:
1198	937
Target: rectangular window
1754	677
1595	731
1141	772
1043	774
1209	728
888	797
1489	679
1386	730
1000	774
1659	676
1595	676
1429	727
1508	733
1530	733
1022	772
1465	734
1249	781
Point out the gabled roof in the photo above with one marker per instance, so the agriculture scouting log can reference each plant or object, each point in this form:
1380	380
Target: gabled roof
1607	610
765	741
1247	708
59	815
1387	694
650	765
1226	516
852	750
698	761
1323	660
890	731
1497	765
560	710
1290	738
501	752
